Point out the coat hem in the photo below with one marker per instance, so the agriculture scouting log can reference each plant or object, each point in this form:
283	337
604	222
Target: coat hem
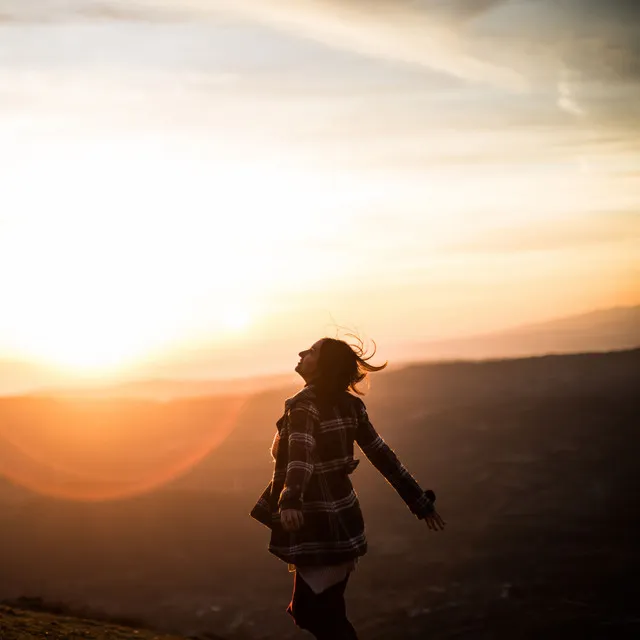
319	559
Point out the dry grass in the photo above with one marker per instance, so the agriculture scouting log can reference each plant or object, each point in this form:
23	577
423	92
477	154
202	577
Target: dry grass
17	624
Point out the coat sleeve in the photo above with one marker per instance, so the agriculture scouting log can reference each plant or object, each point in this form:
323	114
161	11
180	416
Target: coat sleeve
386	462
303	419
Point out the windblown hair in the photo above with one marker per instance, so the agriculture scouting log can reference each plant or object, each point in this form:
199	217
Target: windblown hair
342	366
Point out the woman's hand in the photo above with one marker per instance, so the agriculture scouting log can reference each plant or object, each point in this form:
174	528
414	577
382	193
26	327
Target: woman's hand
292	519
434	521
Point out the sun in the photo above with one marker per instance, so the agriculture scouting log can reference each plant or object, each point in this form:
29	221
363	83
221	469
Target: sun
93	333
106	295
124	251
108	336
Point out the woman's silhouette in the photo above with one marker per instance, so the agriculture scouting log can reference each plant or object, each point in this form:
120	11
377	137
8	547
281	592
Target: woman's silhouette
310	505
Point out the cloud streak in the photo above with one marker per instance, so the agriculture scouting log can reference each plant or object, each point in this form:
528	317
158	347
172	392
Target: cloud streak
55	11
396	32
566	99
487	42
595	230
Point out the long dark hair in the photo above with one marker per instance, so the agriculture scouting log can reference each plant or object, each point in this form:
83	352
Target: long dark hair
342	366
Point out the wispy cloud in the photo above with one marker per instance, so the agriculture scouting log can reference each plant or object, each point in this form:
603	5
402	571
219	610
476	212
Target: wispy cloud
55	11
501	43
395	32
566	99
558	235
398	32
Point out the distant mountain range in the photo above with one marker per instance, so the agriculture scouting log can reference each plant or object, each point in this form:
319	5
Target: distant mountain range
604	330
598	331
20	377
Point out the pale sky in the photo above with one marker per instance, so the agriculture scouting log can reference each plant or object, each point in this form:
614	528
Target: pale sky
244	174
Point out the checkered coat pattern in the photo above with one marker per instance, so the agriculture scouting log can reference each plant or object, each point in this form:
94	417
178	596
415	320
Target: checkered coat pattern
314	457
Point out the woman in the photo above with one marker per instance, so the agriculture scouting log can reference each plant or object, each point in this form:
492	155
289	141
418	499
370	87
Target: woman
310	505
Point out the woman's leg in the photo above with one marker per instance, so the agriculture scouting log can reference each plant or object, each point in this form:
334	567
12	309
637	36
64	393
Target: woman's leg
323	614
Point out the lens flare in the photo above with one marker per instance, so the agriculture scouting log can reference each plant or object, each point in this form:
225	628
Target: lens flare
107	450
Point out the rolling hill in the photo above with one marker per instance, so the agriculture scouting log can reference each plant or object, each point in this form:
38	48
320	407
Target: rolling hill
533	461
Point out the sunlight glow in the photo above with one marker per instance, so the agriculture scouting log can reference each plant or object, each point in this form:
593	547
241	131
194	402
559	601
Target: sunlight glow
236	318
127	248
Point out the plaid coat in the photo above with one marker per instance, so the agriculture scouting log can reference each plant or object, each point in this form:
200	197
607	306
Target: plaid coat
313	453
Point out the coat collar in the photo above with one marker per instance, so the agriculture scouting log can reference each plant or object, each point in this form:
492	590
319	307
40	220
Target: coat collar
306	393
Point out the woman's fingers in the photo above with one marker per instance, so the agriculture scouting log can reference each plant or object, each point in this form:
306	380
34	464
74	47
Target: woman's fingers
435	522
296	520
291	519
438	521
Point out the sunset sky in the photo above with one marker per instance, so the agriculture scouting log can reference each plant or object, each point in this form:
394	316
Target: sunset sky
242	175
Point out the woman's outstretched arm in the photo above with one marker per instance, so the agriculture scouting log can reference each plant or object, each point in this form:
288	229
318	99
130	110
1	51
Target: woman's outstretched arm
383	458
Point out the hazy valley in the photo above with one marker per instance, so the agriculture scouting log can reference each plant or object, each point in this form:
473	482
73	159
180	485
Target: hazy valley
533	461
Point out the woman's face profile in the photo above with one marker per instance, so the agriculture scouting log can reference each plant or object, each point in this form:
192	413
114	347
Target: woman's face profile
308	365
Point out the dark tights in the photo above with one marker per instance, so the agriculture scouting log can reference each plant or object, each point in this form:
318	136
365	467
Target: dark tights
323	614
